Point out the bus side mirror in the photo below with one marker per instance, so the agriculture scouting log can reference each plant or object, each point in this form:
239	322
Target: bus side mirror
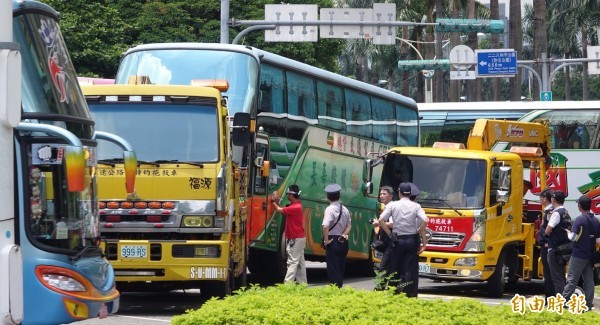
130	166
367	174
240	134
75	167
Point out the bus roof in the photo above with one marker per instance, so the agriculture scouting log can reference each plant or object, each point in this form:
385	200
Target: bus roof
280	61
506	106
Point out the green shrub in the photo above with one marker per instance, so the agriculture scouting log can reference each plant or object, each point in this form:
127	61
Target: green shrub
298	304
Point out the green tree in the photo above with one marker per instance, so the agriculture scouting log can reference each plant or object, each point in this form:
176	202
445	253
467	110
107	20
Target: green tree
94	33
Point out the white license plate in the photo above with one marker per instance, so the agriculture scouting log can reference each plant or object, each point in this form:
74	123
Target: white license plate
424	268
133	251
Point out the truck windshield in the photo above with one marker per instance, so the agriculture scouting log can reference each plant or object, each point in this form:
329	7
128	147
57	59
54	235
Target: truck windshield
182	66
445	182
60	219
159	131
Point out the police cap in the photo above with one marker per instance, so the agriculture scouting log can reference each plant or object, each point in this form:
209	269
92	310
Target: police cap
414	190
332	188
404	188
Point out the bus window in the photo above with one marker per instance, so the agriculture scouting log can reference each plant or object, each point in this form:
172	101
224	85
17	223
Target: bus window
573	129
384	120
271	89
301	97
407	126
358	113
331	106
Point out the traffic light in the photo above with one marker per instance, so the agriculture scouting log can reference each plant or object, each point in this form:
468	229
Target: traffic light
450	25
408	65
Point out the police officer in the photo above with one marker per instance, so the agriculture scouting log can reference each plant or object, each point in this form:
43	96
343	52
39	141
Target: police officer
406	216
542	241
336	227
556	236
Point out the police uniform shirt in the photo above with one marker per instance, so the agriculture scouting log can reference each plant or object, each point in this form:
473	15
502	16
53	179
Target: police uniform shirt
555	218
331	215
406	216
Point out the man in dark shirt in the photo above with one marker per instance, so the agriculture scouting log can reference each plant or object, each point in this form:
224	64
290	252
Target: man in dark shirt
585	234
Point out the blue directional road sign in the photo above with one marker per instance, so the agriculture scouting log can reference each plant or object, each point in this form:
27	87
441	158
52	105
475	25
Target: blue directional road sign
496	63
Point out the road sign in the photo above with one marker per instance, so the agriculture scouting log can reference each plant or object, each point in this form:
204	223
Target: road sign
546	96
593	52
384	12
297	13
496	63
462	75
461	57
346	31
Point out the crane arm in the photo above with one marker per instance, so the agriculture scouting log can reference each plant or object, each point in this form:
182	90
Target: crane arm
486	133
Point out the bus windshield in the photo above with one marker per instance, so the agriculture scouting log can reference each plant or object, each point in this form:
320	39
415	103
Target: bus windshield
63	97
459	183
182	67
159	131
58	218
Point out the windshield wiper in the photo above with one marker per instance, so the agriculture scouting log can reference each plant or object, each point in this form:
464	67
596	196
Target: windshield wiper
175	161
83	252
444	201
145	162
107	162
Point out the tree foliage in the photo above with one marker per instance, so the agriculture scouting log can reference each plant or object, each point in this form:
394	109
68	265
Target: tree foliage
97	32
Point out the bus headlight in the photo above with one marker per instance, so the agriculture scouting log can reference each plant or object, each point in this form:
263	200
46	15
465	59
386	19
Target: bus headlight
198	221
63	282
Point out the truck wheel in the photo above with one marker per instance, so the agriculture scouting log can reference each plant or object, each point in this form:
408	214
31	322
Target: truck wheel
497	282
242	279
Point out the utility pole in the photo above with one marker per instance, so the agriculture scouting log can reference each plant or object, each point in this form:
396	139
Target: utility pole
224	21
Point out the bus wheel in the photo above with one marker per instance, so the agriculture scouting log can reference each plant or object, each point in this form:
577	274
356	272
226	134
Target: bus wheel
498	280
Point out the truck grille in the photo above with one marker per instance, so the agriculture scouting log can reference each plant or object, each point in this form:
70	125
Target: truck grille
445	239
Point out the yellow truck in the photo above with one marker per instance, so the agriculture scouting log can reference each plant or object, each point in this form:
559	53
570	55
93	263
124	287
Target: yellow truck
478	229
183	226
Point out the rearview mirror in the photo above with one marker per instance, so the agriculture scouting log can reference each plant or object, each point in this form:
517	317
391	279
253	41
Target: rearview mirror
240	134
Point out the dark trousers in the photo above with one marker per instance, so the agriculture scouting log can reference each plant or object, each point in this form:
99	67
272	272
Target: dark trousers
404	264
557	270
548	284
335	256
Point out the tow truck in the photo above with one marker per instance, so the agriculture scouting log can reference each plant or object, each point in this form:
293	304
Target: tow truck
478	229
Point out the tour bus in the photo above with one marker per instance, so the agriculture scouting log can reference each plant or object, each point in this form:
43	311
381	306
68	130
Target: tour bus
575	139
310	127
51	268
452	121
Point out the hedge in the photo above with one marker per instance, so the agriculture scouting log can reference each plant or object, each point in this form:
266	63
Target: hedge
299	304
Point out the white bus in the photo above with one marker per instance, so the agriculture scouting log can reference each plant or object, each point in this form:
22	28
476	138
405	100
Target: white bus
451	122
575	151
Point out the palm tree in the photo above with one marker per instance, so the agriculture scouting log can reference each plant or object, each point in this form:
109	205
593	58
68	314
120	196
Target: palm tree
515	40
585	15
495	44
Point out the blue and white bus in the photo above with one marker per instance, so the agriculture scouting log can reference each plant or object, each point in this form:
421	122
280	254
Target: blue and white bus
51	268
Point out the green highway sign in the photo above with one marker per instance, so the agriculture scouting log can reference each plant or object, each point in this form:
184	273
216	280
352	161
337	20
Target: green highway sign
451	25
410	65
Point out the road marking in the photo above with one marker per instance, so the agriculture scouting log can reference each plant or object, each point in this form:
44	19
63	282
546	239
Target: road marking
143	318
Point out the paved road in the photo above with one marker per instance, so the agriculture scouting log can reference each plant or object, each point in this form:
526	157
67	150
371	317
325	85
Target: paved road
159	308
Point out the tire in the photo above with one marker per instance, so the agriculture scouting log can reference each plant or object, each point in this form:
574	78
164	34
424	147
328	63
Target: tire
497	282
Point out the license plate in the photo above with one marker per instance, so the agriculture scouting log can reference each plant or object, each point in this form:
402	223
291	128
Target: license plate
424	268
133	251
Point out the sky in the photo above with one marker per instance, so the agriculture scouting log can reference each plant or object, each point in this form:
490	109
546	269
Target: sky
507	3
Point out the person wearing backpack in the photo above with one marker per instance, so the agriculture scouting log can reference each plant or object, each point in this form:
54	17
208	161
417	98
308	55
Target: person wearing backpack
557	237
336	227
585	234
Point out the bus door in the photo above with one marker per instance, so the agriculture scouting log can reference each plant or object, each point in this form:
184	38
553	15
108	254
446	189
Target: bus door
261	207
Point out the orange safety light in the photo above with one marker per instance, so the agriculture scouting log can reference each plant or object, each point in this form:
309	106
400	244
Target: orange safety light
168	205
448	145
101	205
112	205
527	151
154	205
220	84
126	205
141	205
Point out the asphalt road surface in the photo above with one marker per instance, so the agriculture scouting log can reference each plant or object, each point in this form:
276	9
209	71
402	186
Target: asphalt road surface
159	308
